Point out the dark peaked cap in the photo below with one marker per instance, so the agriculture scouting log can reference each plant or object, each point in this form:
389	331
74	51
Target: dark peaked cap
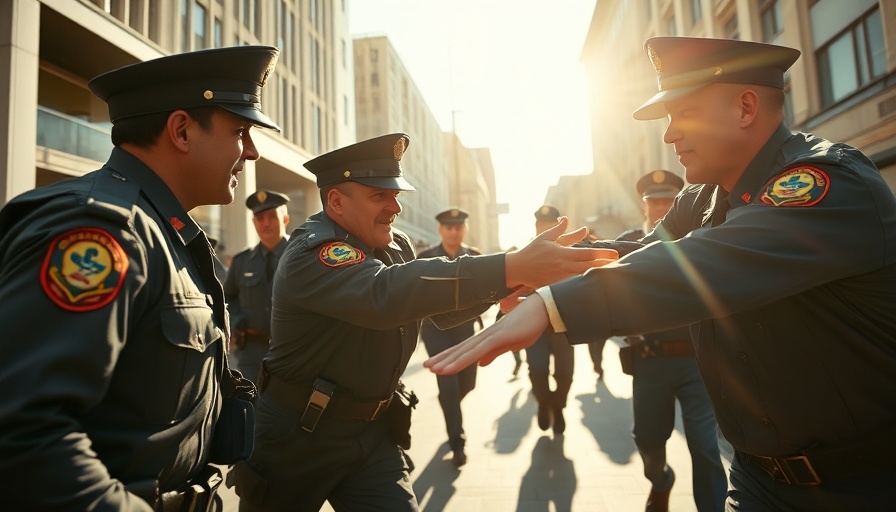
547	212
229	78
452	216
659	184
685	64
265	200
373	162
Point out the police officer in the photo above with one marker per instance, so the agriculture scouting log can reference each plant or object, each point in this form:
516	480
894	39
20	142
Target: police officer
538	356
781	258
664	370
115	325
452	388
250	279
348	300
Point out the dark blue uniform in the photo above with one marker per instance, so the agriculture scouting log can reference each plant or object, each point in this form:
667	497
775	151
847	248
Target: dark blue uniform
452	388
350	316
248	289
793	304
111	373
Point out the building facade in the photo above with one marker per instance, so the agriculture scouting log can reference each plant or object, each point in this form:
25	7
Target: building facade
50	49
843	87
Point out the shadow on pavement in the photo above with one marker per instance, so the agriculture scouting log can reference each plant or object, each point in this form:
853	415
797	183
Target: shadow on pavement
512	426
434	486
602	414
550	479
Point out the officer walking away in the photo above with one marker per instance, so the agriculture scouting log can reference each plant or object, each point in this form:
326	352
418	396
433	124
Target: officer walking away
250	278
115	323
333	421
664	370
452	388
550	402
782	260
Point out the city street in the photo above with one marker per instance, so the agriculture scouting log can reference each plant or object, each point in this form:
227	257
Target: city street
514	466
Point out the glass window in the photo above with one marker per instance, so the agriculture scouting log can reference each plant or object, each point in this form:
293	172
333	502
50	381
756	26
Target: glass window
219	33
852	59
770	13
185	25
199	27
731	30
696	10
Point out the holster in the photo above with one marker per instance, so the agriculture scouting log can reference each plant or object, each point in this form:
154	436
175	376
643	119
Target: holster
234	437
399	415
200	495
630	353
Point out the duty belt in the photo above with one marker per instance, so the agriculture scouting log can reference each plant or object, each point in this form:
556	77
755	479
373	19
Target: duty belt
313	400
651	347
867	455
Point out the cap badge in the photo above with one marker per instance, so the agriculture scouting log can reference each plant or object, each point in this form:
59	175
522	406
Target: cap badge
262	196
83	269
347	174
398	149
658	177
799	186
208	95
455	213
655	60
545	210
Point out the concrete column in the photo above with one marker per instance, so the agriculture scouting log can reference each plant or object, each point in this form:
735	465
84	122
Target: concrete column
19	46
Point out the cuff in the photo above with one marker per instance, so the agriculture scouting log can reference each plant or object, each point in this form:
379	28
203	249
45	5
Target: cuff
553	314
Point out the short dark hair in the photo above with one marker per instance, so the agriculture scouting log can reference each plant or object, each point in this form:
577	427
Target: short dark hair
142	131
326	191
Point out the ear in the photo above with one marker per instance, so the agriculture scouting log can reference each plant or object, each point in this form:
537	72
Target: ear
176	129
748	103
334	201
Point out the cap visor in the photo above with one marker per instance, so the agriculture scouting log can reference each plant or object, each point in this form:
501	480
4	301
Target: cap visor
655	107
251	114
391	183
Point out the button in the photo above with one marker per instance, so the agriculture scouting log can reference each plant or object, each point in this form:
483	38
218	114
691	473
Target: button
742	357
401	330
759	326
765	421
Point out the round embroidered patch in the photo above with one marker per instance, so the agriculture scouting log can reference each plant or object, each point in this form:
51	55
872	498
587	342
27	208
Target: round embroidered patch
799	186
83	269
340	254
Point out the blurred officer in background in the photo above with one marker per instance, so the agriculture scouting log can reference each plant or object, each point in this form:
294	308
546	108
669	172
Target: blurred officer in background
538	356
116	326
452	388
250	279
782	259
664	370
332	422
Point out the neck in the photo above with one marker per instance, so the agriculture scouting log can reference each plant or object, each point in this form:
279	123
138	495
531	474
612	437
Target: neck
451	250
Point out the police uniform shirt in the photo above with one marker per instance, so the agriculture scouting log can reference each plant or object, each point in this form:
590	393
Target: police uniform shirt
792	295
438	251
113	324
248	289
348	315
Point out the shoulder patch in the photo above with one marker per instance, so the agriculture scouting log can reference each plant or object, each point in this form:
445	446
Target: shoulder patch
340	254
797	186
83	269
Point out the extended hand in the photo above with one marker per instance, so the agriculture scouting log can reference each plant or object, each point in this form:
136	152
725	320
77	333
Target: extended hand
516	331
548	258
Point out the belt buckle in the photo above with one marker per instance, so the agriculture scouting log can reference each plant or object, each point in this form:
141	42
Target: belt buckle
382	405
806	475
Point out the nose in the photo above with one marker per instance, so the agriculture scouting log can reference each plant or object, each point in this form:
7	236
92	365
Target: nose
671	134
250	152
394	206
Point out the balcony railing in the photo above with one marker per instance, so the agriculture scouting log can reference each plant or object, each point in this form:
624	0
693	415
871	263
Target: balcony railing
68	134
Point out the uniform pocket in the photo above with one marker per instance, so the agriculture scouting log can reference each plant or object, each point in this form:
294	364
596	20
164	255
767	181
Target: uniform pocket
185	372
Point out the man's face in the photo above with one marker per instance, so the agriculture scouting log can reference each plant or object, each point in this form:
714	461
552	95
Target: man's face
655	208
452	234
704	127
271	225
217	156
365	212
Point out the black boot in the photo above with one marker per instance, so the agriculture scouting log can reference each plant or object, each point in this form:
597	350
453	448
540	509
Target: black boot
458	446
542	392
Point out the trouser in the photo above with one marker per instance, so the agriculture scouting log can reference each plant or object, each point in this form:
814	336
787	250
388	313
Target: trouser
753	490
657	383
352	464
248	359
538	355
452	388
596	349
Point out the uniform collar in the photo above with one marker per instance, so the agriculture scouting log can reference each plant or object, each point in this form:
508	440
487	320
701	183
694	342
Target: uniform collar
764	165
262	251
157	193
321	227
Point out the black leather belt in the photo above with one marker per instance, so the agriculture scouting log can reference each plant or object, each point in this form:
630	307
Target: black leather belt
339	407
671	348
868	455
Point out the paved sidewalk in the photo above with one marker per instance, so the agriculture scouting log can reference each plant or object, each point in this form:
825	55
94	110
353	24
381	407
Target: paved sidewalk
514	466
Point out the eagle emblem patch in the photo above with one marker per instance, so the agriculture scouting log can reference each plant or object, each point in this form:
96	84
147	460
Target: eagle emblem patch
83	269
340	254
799	186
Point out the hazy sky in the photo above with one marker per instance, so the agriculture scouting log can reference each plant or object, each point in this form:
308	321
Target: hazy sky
510	71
